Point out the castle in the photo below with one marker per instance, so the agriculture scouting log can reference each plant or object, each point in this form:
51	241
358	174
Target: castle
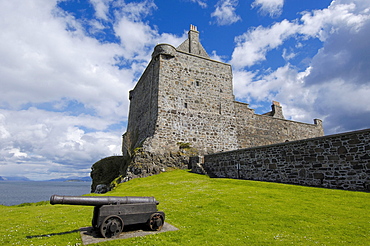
185	97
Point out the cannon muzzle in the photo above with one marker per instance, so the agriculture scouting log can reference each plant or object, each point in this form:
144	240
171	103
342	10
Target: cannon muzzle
100	200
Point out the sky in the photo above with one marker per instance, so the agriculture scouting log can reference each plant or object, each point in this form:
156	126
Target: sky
66	67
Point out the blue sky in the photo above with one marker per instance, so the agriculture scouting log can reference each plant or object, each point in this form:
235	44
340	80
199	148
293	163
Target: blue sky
66	67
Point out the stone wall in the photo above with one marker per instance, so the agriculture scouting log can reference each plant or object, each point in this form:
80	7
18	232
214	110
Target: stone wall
143	109
195	105
337	161
184	96
258	130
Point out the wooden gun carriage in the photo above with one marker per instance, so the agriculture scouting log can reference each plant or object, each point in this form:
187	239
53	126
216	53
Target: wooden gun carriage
112	213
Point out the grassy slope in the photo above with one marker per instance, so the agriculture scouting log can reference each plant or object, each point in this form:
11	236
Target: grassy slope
213	212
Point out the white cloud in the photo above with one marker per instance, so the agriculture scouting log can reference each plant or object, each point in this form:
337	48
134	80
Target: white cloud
288	55
139	41
225	12
134	11
215	56
334	87
64	93
48	63
242	85
340	70
137	38
251	47
37	136
101	8
201	3
323	23
273	8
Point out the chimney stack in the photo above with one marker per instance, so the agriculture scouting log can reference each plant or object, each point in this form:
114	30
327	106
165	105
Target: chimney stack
193	36
277	110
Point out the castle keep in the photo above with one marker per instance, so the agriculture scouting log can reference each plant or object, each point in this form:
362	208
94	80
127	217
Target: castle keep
183	96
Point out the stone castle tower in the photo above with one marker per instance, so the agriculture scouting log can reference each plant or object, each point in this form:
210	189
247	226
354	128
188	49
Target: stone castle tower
183	96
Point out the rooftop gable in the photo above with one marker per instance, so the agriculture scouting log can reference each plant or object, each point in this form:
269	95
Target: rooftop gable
192	44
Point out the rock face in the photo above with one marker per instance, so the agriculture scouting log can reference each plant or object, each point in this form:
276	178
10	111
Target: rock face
110	171
101	189
145	163
105	171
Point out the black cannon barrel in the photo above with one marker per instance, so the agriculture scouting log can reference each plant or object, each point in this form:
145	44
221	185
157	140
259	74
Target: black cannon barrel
100	200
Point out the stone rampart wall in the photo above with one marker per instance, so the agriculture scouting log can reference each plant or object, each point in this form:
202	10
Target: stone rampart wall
258	130
337	161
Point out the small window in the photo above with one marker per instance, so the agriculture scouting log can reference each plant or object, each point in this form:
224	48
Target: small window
198	83
186	105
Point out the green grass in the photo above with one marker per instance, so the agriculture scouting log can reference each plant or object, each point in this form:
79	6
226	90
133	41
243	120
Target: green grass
210	212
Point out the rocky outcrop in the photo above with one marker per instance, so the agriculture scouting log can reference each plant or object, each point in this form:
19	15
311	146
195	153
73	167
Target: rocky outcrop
109	172
145	164
105	171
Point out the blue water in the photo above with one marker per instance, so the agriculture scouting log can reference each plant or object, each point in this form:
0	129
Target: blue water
17	192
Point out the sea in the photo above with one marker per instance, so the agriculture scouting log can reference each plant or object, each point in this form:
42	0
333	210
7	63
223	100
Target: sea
18	192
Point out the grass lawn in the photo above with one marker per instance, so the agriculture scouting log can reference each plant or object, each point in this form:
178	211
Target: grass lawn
209	212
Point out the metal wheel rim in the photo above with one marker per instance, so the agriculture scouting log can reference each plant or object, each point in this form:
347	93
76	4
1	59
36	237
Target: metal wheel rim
155	222
111	227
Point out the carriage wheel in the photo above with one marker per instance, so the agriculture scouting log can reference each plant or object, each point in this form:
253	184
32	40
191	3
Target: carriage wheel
155	222
111	227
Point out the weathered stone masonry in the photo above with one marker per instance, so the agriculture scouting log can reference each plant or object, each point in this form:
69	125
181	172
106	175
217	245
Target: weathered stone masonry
184	96
337	161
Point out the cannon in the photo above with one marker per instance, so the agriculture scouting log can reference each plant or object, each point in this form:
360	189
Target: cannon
112	213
